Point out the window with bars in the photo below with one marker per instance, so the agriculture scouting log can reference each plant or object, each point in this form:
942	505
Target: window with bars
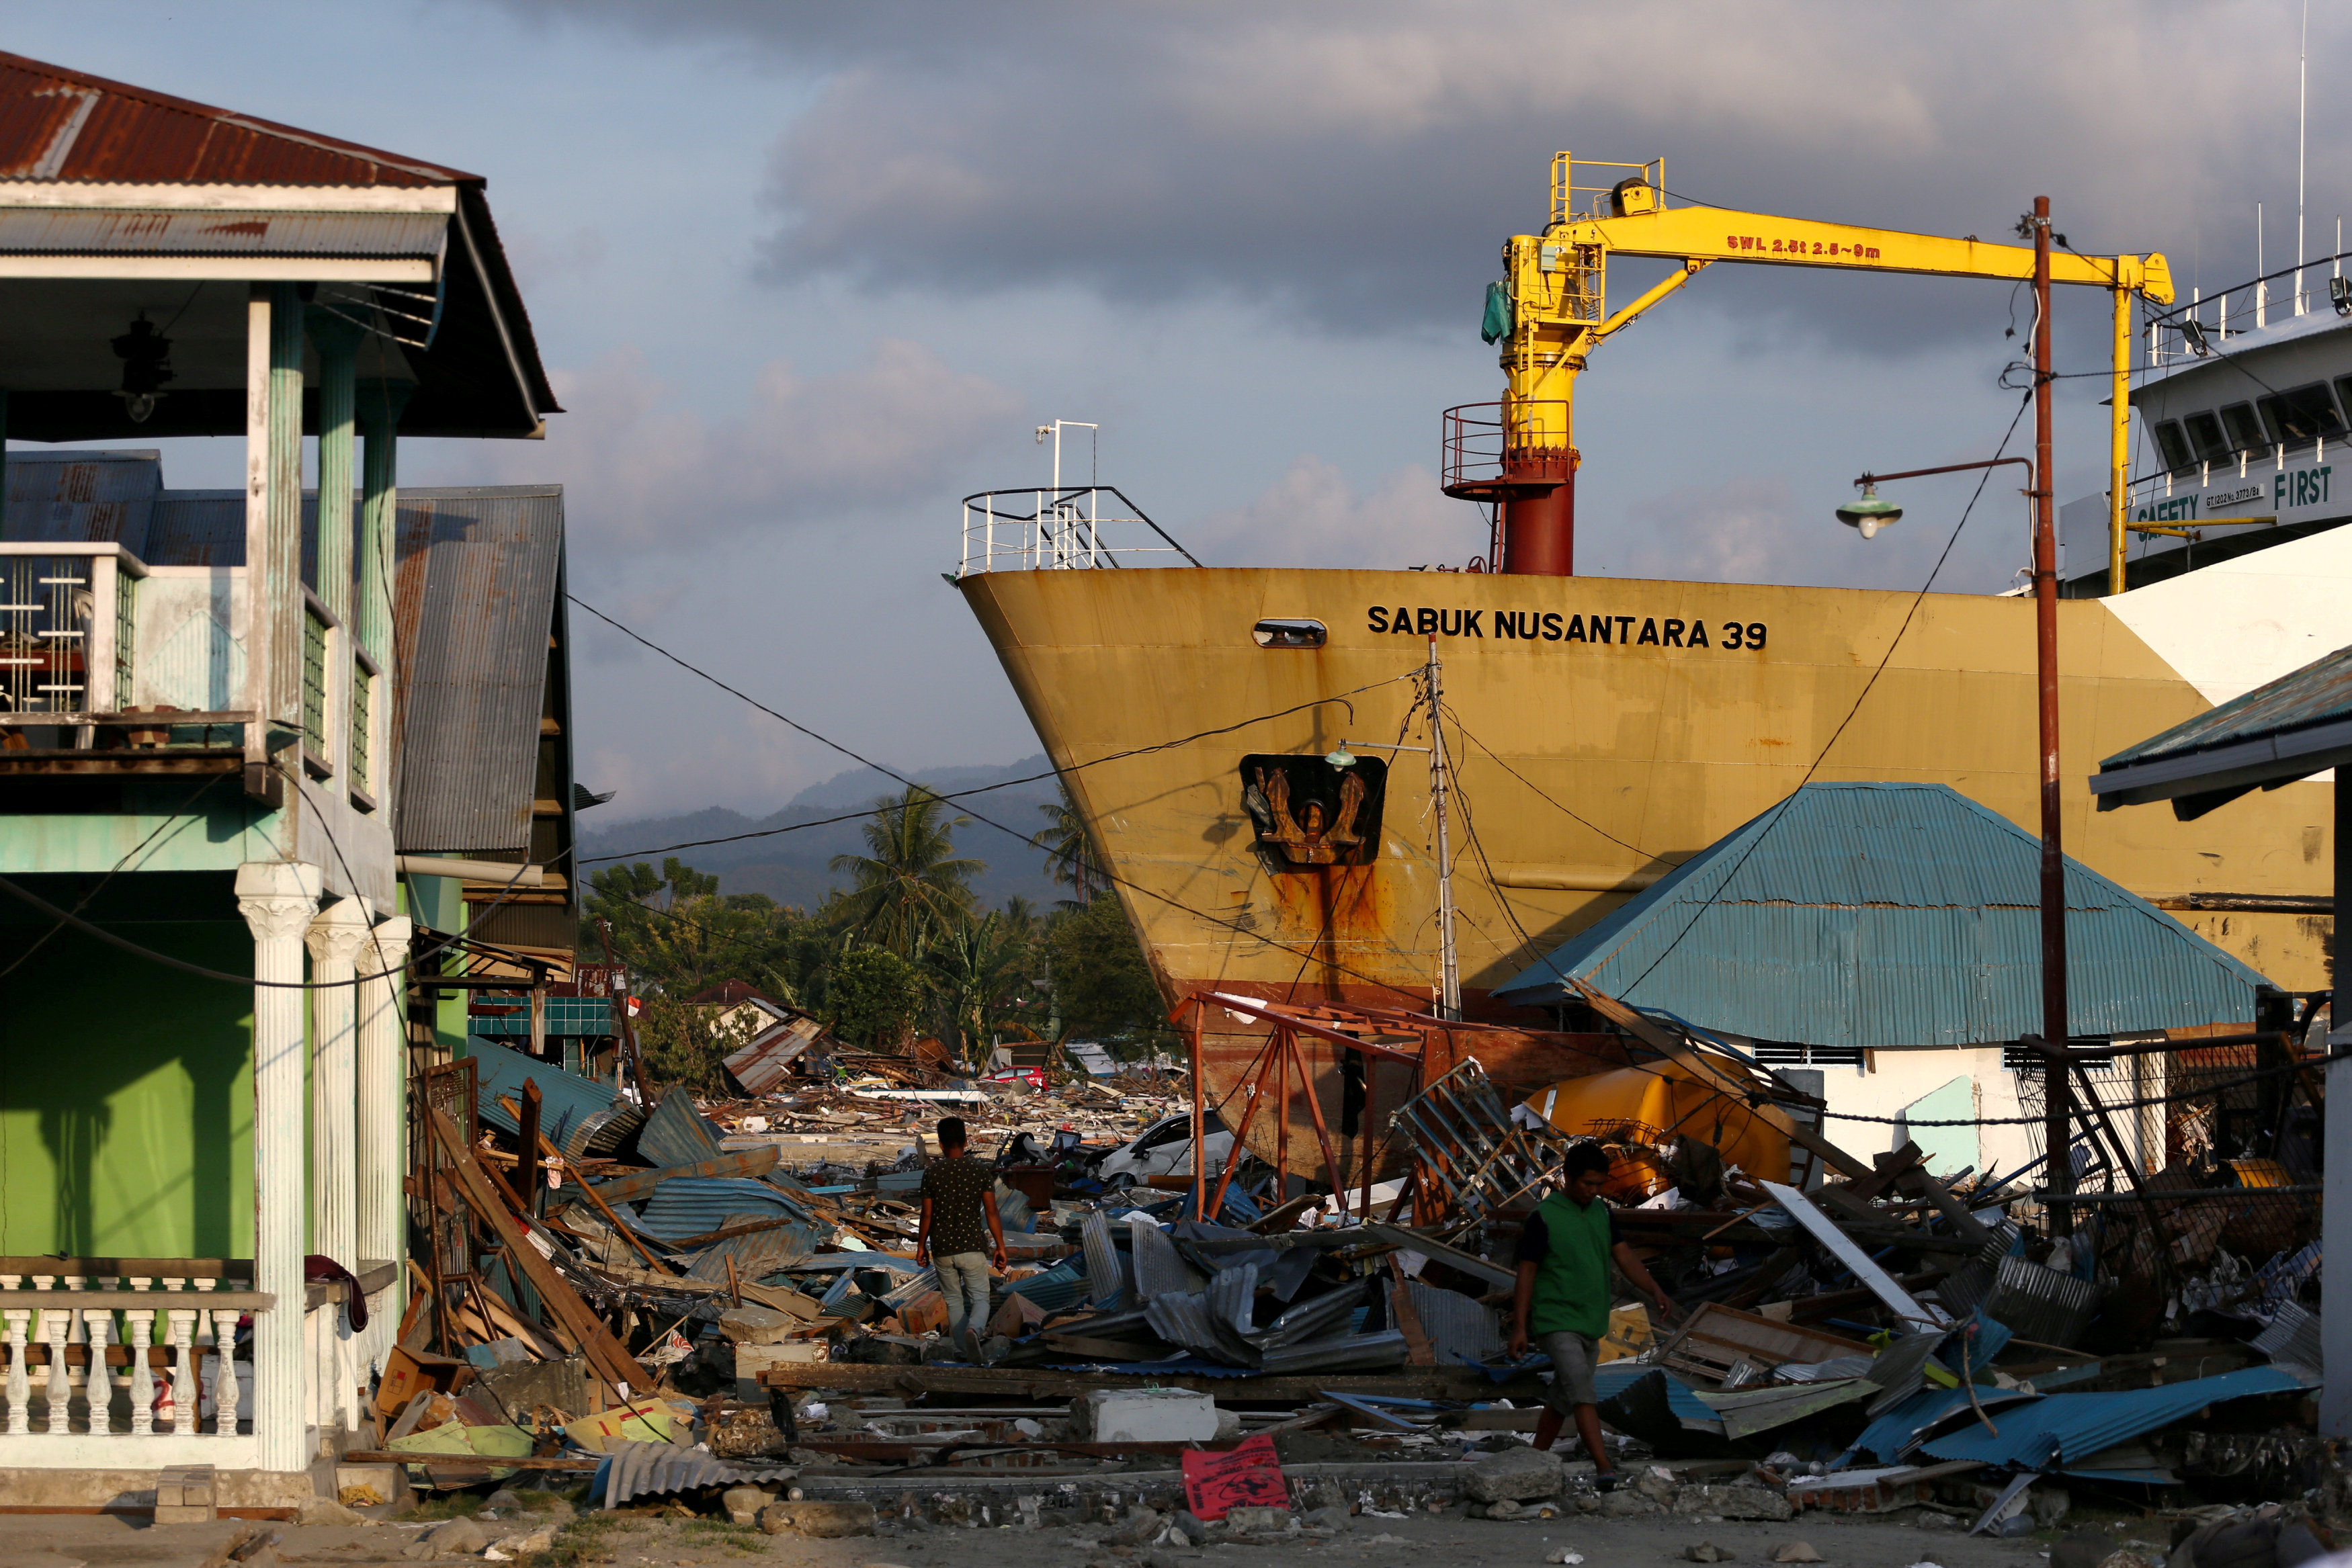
360	755
318	628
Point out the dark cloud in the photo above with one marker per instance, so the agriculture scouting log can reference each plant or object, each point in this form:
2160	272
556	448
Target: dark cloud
1356	169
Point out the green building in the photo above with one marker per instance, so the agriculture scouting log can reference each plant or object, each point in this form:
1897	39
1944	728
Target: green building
222	714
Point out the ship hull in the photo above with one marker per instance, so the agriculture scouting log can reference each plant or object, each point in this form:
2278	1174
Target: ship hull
1598	740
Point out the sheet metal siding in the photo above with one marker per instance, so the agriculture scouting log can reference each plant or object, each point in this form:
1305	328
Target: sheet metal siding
676	1135
1873	915
759	1254
473	607
115	231
2319	693
60	124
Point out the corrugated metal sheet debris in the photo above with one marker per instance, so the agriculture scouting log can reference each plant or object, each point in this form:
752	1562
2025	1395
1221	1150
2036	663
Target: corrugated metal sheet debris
97	231
1055	1290
578	1115
1747	1411
2037	1303
765	1059
761	1253
676	1133
1460	1327
2293	1341
1309	1319
1877	914
1106	1277
1157	1268
2058	1428
696	1206
1186	1319
632	1469
1386	1348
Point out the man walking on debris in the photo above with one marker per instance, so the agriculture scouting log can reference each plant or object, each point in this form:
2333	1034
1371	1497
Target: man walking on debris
1563	1284
958	1190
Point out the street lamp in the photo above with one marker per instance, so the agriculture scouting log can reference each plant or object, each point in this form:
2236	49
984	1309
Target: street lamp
1868	514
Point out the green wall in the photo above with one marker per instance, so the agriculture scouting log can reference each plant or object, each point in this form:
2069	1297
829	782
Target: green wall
126	1088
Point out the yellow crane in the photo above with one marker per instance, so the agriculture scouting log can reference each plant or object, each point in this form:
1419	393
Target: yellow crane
1552	309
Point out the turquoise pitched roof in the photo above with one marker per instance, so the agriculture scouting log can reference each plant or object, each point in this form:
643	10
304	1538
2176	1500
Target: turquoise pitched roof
1888	915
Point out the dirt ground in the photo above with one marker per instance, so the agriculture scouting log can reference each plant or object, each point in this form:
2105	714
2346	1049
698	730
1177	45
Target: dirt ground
644	1539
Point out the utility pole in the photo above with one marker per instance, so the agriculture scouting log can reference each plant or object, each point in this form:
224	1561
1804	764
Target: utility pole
2058	1100
1449	970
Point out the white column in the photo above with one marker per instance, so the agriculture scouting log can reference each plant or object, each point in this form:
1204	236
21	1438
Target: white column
336	938
277	899
382	1092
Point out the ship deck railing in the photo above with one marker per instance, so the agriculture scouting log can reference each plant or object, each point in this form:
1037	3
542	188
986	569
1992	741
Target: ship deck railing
1073	528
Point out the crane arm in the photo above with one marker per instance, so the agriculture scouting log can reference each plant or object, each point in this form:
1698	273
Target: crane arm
1715	233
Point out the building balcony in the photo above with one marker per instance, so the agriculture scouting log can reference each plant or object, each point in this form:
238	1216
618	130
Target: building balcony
108	665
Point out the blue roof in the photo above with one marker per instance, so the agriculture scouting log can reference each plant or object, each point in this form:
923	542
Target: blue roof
2292	727
1890	914
2319	693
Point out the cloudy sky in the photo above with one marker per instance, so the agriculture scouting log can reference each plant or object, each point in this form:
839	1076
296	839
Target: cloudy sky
805	274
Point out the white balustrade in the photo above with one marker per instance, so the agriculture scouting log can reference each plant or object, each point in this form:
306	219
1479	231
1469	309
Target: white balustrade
198	1394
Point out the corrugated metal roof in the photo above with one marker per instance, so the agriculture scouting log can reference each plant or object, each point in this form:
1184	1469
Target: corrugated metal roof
62	124
119	231
578	1115
1055	1290
84	497
765	1059
1460	1328
2319	693
1896	1433
1158	1268
2059	1428
1883	914
477	571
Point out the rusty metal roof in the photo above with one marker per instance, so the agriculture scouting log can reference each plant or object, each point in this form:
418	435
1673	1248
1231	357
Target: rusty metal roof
86	498
142	231
62	124
478	574
2290	729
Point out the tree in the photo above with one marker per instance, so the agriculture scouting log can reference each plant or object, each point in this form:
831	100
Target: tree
1102	984
1070	857
909	886
978	970
681	1044
872	996
677	929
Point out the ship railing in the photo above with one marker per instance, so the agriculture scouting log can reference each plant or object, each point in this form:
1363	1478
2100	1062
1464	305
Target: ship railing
1478	438
2202	325
1077	528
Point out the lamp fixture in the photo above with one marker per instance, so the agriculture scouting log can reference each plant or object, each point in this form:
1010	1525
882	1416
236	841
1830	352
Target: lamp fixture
1342	758
2192	331
146	365
1867	514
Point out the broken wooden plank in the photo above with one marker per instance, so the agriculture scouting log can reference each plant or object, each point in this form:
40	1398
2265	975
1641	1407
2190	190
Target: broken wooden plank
1032	1382
607	1355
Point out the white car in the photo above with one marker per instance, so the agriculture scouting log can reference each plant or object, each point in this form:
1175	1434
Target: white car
1165	1148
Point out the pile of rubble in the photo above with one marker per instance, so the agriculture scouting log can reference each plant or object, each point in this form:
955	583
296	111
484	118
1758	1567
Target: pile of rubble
693	1313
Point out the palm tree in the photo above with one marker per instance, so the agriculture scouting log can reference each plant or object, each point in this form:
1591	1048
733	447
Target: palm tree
1070	857
909	886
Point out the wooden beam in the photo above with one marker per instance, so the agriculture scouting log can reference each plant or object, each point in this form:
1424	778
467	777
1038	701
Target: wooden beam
1032	1382
611	1359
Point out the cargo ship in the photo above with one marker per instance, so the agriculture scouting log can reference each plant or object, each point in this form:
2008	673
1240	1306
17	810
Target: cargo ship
1602	729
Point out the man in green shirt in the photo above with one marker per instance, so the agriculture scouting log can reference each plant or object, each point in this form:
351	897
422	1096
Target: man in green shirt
1563	1287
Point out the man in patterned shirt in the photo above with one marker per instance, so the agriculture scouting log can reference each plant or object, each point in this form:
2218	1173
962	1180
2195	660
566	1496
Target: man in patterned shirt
958	1192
